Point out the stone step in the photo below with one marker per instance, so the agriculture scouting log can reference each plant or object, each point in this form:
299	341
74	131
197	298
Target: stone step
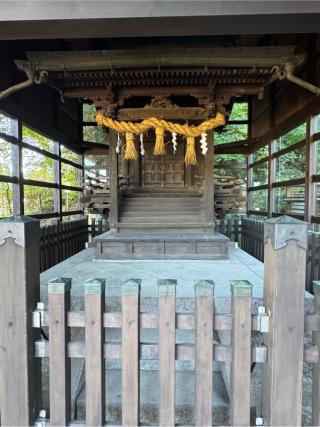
160	212
159	219
149	398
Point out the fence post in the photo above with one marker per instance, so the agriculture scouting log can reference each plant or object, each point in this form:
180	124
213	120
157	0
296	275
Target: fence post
59	362
130	352
20	371
241	291
95	364
284	285
204	352
167	345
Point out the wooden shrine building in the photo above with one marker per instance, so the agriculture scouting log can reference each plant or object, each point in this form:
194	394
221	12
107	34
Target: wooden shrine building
161	205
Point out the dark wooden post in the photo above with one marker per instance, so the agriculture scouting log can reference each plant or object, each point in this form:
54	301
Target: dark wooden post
208	182
114	183
20	371
284	285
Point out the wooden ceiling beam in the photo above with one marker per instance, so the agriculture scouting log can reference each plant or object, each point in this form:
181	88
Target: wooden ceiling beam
159	56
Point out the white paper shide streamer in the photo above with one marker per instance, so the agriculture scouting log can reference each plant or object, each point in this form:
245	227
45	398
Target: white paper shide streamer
174	142
203	143
142	150
118	144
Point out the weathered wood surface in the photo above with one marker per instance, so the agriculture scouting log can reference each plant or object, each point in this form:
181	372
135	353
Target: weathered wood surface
94	358
284	285
167	351
241	353
59	362
204	353
20	372
130	353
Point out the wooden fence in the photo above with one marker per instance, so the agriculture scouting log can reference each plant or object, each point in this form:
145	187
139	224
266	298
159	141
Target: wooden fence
282	351
230	226
252	237
95	228
62	240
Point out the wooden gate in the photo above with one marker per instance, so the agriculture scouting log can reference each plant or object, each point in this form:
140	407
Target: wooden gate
281	322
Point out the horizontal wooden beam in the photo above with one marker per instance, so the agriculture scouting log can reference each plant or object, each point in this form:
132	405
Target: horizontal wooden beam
289	182
164	56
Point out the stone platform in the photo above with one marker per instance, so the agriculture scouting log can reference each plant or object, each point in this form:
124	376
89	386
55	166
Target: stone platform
157	246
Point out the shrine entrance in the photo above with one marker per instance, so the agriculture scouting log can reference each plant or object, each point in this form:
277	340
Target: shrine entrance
164	171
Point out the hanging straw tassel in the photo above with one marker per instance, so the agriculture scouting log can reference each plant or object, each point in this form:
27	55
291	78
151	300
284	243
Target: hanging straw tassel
190	157
131	152
159	148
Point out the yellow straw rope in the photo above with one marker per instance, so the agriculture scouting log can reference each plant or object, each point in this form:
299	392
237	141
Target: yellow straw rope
190	132
153	122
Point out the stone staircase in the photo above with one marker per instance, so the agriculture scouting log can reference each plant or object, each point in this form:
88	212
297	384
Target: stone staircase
163	209
162	224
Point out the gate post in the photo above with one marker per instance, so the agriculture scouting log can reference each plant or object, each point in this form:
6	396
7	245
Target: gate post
20	371
285	240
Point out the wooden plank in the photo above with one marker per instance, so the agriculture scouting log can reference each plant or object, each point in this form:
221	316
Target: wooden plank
316	366
59	363
130	352
241	352
204	352
20	373
95	364
167	357
284	286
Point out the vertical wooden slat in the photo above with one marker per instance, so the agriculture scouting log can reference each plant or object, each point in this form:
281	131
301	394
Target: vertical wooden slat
59	363
284	287
208	182
20	372
241	291
130	352
316	366
167	357
95	365
204	352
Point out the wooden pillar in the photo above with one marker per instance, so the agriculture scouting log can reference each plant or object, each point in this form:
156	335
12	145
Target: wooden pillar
208	180
249	182
284	286
20	371
271	177
311	159
18	189
114	183
57	180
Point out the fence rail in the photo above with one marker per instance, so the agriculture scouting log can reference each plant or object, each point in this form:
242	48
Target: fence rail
62	240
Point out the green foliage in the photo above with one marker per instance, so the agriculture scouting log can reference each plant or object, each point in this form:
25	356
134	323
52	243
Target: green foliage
89	112
95	134
240	111
37	167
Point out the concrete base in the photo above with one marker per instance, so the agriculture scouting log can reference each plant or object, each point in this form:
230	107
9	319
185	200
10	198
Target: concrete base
157	246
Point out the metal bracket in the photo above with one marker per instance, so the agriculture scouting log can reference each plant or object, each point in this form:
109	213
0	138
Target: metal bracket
40	348
260	322
41	421
37	315
260	354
